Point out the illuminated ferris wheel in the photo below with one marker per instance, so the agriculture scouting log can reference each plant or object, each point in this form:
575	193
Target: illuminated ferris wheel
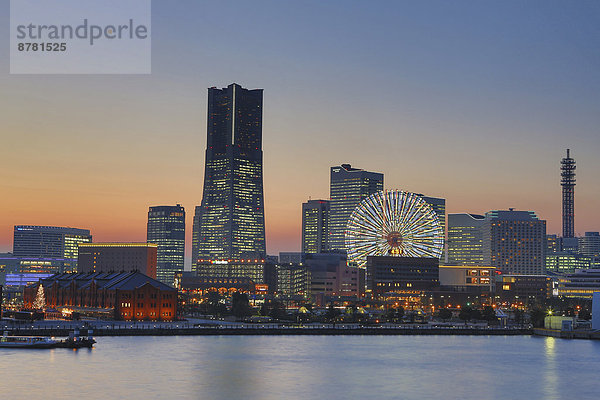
393	223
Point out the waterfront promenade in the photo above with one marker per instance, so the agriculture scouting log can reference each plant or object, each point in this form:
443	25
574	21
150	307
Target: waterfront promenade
217	327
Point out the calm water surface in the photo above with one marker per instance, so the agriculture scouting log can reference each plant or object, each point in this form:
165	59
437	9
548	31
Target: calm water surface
308	367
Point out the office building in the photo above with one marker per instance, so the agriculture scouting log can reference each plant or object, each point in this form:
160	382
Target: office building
580	284
293	280
315	226
166	229
230	222
331	276
48	241
118	257
514	242
553	244
195	234
467	277
567	262
589	245
465	239
524	289
291	257
569	244
348	187
439	207
130	296
402	275
567	168
251	268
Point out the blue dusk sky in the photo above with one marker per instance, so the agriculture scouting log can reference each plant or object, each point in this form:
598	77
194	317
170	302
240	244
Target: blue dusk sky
473	101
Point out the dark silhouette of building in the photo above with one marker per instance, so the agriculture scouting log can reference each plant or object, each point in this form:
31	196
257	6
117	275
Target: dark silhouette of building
526	289
111	257
230	224
567	168
401	274
126	295
166	229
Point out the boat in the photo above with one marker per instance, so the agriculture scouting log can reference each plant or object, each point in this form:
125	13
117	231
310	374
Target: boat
74	341
27	342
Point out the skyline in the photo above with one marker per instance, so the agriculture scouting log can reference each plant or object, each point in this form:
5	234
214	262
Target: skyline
364	86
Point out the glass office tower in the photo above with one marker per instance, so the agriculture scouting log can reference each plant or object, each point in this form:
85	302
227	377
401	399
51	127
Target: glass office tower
166	229
465	239
348	187
230	222
48	241
315	225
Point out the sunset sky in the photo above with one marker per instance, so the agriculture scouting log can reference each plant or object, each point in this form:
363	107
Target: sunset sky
475	102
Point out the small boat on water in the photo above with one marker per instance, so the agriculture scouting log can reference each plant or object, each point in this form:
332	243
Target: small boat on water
27	342
45	342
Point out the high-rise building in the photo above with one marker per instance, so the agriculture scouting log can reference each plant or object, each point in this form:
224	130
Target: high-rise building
348	187
118	257
166	229
514	242
48	241
230	222
589	245
439	207
315	224
465	239
195	234
567	167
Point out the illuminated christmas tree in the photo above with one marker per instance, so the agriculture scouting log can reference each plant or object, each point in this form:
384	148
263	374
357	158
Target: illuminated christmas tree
40	299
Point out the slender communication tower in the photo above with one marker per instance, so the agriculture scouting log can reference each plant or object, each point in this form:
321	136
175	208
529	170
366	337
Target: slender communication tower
567	168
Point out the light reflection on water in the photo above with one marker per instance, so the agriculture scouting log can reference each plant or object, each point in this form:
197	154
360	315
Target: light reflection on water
304	367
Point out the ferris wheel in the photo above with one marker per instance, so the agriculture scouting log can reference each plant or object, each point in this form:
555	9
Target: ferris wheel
393	223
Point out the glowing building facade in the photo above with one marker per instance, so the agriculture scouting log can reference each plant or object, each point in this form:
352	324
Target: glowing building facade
465	239
48	241
166	229
348	187
315	224
230	223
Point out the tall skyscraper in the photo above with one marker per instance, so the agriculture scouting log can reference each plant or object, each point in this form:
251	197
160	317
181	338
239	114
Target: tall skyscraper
166	229
348	187
465	239
48	241
514	242
315	226
230	222
567	167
